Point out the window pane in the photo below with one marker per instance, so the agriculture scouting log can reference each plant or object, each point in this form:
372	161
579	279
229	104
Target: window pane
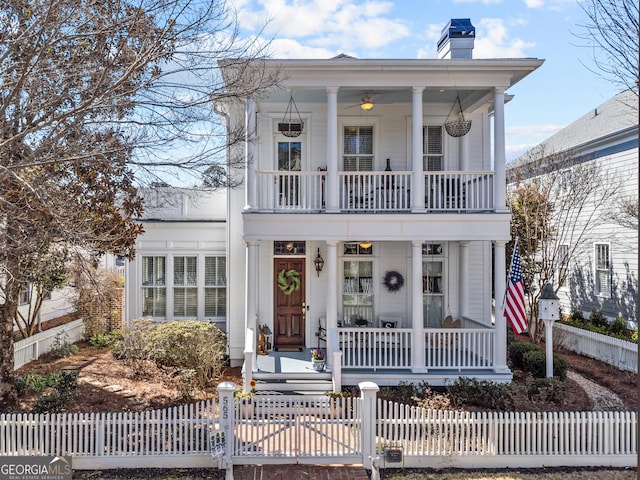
350	140
185	271
153	270
289	156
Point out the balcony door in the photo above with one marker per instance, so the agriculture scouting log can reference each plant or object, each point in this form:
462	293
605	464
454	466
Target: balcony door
289	167
289	303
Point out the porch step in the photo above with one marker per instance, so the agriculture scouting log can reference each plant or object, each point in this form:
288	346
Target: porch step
288	383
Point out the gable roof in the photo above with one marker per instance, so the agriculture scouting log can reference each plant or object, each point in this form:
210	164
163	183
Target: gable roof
617	115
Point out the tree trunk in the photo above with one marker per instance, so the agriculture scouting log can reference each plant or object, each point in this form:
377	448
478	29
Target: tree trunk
8	394
8	312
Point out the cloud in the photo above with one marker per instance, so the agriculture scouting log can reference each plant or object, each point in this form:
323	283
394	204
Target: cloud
330	25
484	2
494	40
549	4
288	48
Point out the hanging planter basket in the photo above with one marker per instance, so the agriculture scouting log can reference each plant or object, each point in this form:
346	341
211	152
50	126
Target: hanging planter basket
457	127
291	126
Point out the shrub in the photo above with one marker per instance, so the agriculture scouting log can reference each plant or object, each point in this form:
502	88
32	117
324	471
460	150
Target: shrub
434	400
634	336
184	344
61	347
481	393
597	319
576	318
547	390
535	362
58	389
618	328
102	340
517	350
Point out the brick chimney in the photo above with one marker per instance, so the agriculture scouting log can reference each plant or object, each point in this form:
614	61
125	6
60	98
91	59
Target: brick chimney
457	40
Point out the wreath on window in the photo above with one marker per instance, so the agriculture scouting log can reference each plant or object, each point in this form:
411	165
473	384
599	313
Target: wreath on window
393	281
289	281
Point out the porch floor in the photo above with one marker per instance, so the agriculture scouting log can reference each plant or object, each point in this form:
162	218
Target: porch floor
286	362
282	365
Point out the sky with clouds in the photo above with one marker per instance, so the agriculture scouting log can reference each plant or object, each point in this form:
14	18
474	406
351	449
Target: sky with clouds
559	92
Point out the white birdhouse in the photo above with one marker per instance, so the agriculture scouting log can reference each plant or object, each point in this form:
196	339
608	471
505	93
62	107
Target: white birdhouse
548	304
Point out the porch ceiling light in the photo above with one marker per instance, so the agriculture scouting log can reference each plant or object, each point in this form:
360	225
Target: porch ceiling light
318	262
365	244
367	103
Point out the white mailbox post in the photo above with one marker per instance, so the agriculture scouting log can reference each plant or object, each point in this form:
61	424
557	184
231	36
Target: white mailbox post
549	312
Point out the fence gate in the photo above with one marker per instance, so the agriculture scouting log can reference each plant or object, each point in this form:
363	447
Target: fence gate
303	429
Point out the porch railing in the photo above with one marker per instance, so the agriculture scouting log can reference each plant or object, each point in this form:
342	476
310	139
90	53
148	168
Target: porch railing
456	348
374	192
445	348
376	348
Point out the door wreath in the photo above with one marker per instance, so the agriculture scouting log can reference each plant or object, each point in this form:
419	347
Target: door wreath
393	281
289	281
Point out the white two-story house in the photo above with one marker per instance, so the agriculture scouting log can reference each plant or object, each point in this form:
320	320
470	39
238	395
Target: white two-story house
371	221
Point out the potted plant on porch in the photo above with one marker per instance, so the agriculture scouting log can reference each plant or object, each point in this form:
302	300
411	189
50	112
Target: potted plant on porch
246	399
318	360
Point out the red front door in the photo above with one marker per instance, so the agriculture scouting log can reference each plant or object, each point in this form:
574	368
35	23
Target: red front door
289	304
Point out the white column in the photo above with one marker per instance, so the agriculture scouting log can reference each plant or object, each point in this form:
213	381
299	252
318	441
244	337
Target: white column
499	159
250	191
331	267
499	287
332	184
251	300
417	177
463	146
417	311
463	306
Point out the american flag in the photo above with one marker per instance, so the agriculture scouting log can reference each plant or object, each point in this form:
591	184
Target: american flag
514	308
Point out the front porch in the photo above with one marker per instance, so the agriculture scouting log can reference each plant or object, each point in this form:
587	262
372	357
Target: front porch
383	355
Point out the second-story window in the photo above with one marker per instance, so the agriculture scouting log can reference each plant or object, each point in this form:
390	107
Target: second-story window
432	148
358	148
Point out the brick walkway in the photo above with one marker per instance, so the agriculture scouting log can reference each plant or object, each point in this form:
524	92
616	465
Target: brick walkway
299	472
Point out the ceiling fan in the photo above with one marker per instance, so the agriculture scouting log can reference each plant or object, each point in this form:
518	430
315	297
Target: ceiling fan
366	103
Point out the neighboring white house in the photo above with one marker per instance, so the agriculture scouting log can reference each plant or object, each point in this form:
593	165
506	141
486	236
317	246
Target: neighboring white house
604	267
180	268
361	226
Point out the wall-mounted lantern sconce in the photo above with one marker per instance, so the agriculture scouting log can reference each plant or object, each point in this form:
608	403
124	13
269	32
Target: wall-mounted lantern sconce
318	262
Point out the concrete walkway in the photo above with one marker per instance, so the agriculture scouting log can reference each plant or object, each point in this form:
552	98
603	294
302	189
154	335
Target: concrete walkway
299	472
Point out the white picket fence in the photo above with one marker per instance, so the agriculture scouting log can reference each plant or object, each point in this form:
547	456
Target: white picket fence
285	429
442	439
621	354
172	437
32	347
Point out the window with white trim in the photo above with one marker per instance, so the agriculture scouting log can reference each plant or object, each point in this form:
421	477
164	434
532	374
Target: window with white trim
432	148
603	270
358	148
154	291
25	295
185	286
215	286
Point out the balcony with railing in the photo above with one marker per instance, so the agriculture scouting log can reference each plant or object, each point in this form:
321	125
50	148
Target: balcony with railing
375	192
